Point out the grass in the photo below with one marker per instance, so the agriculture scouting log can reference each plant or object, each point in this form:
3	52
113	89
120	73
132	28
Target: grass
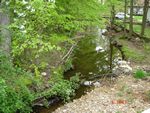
132	54
137	18
139	74
137	29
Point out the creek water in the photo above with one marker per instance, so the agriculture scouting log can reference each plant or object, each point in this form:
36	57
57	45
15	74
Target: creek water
91	58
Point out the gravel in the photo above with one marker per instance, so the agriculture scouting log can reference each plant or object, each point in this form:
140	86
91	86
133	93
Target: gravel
101	100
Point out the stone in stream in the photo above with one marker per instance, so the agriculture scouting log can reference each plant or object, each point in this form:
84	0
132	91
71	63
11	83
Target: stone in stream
87	83
92	83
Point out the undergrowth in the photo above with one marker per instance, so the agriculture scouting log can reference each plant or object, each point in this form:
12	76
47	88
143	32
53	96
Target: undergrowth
140	74
61	87
14	92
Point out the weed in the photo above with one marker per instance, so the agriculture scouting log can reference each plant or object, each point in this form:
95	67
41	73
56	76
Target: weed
139	74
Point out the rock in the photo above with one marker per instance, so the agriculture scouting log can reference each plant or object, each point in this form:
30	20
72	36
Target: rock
146	111
87	83
97	84
137	39
64	111
92	83
122	67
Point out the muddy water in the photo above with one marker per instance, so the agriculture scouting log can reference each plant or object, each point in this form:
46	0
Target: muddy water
91	58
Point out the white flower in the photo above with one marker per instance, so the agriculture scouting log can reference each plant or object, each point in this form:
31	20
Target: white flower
32	10
24	2
21	15
7	3
24	31
15	11
15	19
28	7
44	73
106	59
22	27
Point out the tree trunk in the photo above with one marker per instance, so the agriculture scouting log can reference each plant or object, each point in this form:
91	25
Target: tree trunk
131	19
145	10
111	53
5	38
125	13
112	15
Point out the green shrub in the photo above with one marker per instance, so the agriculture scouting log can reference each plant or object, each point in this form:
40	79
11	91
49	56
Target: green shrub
75	81
68	65
14	93
65	88
139	74
60	87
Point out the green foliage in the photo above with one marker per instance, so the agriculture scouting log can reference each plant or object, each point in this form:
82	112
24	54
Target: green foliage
139	74
37	27
60	87
68	65
63	88
75	81
14	94
42	28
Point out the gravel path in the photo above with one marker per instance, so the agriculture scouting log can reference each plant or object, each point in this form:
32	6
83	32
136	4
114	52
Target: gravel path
126	95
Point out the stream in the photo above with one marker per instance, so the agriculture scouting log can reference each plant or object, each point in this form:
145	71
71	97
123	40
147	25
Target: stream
91	58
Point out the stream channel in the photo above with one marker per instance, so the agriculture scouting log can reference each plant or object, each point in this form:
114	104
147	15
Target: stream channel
91	58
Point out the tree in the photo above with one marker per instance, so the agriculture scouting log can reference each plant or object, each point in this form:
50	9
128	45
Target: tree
125	17
5	40
131	19
145	10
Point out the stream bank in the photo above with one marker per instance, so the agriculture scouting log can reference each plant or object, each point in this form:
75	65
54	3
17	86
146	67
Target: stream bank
124	94
105	99
93	54
91	58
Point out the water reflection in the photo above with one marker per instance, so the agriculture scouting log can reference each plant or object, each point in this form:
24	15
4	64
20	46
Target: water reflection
92	54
